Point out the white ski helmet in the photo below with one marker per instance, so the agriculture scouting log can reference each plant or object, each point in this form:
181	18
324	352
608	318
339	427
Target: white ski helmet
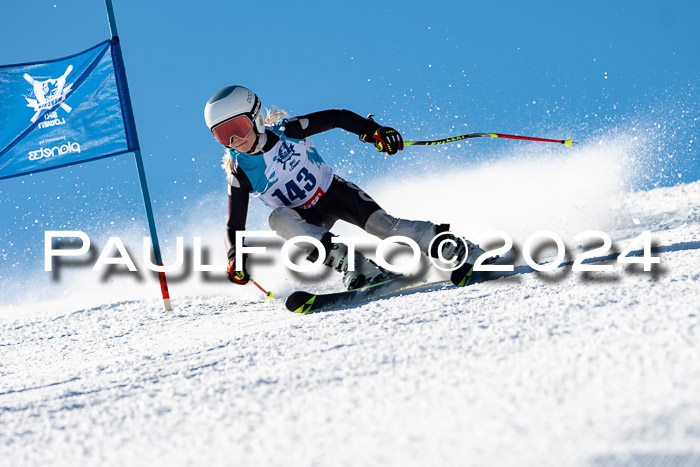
232	101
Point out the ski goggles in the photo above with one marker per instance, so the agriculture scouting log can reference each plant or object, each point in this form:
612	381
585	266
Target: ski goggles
238	127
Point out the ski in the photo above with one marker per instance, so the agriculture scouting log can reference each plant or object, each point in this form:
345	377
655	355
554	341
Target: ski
306	302
461	277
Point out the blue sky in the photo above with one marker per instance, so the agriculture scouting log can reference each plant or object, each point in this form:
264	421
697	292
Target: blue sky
549	69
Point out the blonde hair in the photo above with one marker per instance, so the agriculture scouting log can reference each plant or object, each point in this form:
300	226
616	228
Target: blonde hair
273	116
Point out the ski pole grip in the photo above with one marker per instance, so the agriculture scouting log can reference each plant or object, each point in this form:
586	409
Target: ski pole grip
239	275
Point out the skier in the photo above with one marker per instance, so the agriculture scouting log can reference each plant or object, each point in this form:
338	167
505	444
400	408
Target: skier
280	164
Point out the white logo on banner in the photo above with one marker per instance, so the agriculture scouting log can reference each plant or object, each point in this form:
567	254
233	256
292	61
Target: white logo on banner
48	93
68	147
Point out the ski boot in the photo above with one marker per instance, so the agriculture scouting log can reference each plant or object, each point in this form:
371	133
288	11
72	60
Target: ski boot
456	249
366	271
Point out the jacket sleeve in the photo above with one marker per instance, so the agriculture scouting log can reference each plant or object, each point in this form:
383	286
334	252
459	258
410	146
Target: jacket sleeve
239	188
318	122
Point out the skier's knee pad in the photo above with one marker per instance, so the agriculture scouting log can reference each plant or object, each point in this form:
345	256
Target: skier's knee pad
380	223
384	225
279	217
287	223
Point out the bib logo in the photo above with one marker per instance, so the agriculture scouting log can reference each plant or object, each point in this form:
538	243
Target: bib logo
68	147
285	154
48	93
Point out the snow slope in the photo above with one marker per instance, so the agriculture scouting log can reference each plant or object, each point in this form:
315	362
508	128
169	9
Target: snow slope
560	369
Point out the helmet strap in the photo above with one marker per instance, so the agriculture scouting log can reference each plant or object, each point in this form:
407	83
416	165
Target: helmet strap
260	141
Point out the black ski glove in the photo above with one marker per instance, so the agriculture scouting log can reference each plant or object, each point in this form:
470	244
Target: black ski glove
238	277
385	139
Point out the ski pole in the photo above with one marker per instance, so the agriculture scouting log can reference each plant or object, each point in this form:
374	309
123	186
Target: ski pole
268	295
240	275
566	142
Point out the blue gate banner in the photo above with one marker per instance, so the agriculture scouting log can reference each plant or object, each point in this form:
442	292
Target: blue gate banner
66	111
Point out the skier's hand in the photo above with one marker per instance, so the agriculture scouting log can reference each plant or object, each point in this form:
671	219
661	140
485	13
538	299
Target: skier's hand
385	139
238	277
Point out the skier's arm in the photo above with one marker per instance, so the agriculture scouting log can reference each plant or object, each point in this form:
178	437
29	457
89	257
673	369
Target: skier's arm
239	188
318	122
384	138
